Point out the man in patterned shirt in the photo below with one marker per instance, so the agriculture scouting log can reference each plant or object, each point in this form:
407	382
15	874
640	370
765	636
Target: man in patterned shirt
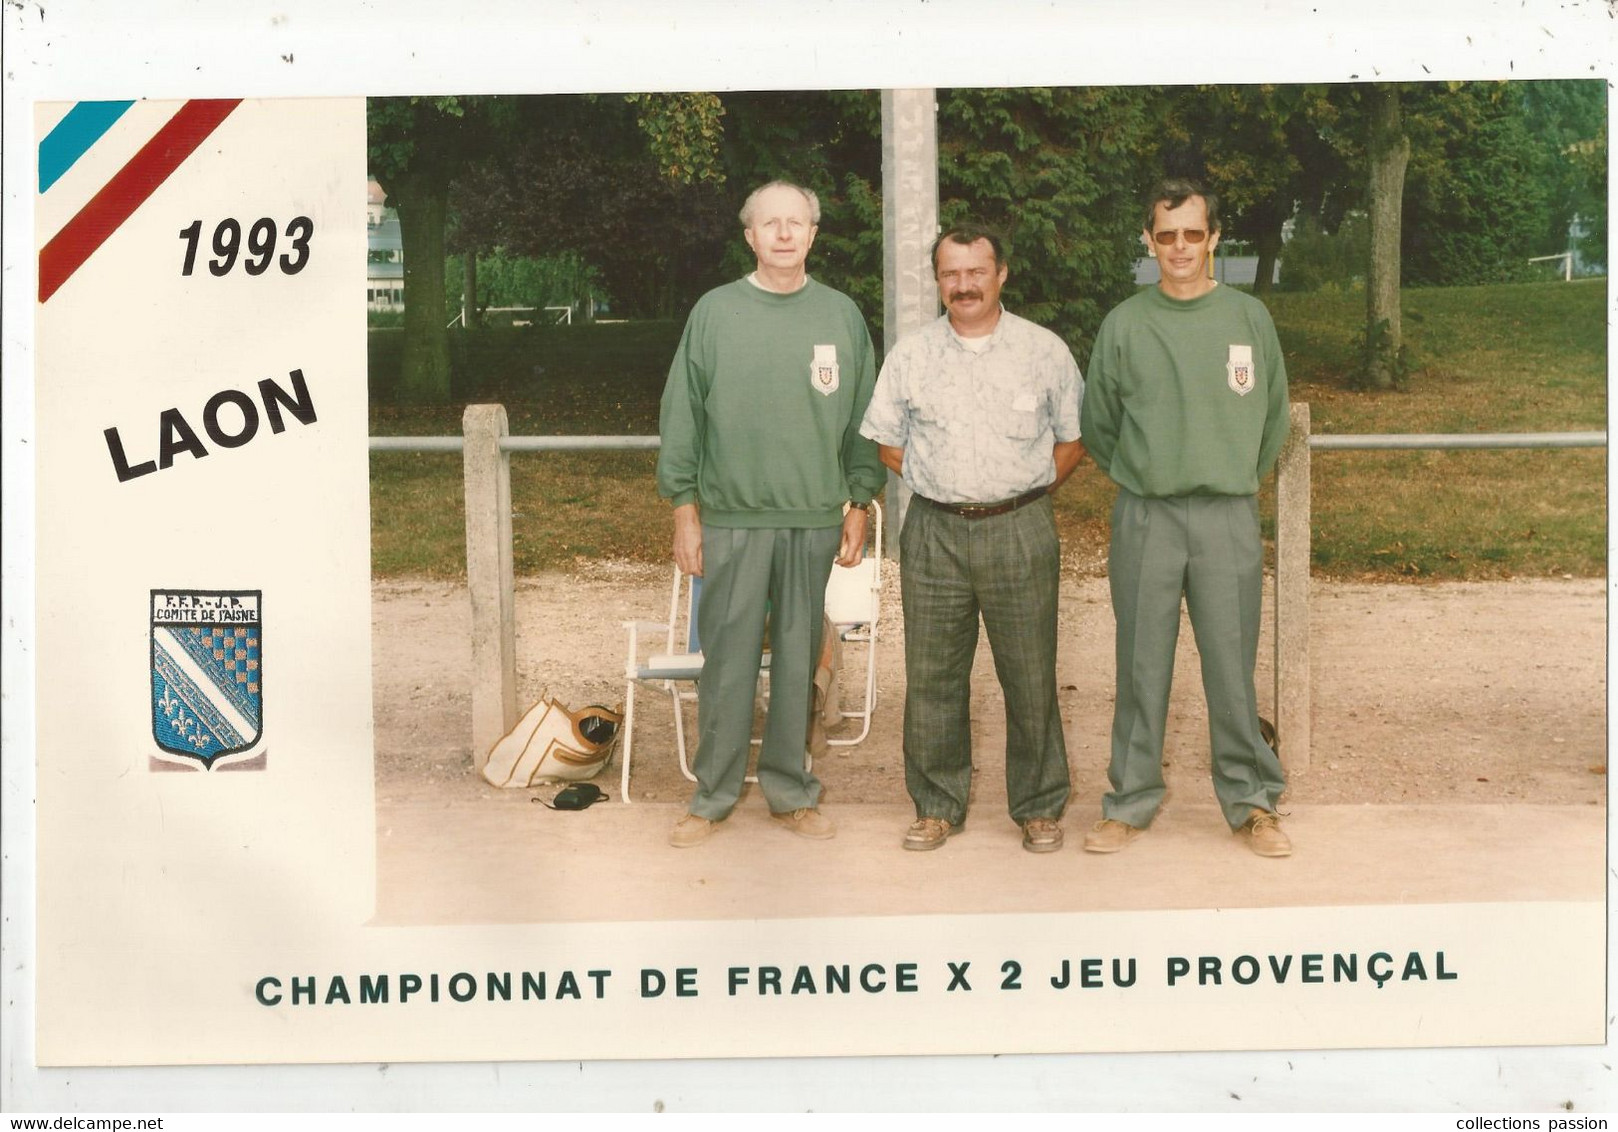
979	413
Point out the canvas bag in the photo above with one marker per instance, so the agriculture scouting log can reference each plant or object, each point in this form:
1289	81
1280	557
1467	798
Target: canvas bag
551	744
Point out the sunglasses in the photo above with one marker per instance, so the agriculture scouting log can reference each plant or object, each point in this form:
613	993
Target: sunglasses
1192	235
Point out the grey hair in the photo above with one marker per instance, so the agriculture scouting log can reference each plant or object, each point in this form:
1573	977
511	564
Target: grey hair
752	198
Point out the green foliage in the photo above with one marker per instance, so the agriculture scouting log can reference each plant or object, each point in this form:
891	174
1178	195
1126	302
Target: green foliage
830	142
1570	117
600	378
1316	259
506	280
1478	194
1266	150
683	132
1589	197
420	144
415	146
849	248
625	187
1517	358
1060	170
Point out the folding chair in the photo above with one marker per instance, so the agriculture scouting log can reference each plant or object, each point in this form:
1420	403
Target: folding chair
676	668
852	605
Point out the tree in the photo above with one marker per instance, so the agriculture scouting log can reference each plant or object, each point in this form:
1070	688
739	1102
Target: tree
1569	116
829	142
1265	151
420	147
1589	159
506	280
630	184
416	146
1388	152
1061	171
1478	199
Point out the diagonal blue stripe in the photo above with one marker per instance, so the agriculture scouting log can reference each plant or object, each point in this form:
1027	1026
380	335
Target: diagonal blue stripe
78	130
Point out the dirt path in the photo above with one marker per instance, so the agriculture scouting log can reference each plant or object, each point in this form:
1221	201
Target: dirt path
1469	692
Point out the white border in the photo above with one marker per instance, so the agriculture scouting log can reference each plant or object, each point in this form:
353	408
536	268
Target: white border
170	48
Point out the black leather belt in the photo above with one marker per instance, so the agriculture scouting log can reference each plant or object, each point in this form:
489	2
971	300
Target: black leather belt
985	510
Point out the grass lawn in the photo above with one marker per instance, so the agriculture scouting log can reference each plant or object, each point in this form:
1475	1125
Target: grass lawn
1520	358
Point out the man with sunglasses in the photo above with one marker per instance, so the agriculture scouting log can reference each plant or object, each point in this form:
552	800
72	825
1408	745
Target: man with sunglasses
979	412
1186	411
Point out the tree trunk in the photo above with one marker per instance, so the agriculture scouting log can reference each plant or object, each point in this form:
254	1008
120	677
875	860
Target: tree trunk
1388	150
423	204
1268	245
469	289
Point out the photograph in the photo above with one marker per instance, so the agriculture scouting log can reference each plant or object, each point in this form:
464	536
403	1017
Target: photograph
1448	605
803	560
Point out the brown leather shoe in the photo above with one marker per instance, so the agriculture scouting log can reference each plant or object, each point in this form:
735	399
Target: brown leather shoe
1041	835
928	833
807	823
1109	836
1264	835
690	830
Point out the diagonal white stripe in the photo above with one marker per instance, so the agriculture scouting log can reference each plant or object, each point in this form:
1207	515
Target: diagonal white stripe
90	173
168	641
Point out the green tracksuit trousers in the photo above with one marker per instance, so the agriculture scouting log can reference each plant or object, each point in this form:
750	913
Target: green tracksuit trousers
1207	549
748	575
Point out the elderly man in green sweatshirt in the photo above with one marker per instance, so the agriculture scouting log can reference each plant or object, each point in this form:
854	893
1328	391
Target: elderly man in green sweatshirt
1186	410
770	481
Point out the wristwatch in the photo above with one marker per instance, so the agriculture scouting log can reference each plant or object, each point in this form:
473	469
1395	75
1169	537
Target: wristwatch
859	506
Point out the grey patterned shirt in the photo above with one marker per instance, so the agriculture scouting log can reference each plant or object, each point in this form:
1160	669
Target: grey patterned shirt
977	427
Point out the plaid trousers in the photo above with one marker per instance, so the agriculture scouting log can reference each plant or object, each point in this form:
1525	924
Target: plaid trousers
1006	568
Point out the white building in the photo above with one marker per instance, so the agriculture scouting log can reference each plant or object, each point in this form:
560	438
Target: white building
384	267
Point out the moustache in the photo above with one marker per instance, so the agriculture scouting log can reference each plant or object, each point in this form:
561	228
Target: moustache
958	295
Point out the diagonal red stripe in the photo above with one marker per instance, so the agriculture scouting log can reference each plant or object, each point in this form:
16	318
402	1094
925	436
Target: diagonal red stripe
128	190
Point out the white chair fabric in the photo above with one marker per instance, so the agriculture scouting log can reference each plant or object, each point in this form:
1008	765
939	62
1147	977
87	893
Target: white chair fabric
853	607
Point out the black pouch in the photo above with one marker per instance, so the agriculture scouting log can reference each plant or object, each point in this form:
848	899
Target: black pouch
575	797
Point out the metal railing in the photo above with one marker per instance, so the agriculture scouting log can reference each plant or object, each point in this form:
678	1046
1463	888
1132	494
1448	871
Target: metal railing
518	443
1293	512
486	447
1343	442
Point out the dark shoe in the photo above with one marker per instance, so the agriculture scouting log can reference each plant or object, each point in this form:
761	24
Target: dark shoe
1109	836
1264	835
1041	835
807	822
928	833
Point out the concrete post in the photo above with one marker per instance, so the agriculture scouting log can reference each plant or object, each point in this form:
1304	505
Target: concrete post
909	225
489	578
1292	518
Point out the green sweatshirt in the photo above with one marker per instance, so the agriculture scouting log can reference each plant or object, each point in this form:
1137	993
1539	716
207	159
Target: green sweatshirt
1165	412
760	417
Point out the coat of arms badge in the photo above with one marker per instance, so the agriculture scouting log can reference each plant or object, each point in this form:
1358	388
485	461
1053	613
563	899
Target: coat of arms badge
824	372
207	673
1239	370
